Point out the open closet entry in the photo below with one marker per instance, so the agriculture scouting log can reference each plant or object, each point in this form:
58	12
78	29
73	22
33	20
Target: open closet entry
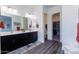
45	25
56	26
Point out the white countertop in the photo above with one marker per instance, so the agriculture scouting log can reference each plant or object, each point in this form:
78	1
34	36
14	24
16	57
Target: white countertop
12	33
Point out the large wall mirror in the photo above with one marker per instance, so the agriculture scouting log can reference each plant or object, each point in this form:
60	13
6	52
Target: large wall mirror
25	23
13	23
20	23
5	23
17	23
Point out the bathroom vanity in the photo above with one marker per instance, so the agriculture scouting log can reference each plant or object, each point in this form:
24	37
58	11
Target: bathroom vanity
15	41
15	32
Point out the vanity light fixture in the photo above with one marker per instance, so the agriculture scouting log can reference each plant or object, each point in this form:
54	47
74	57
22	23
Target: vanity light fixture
4	8
30	16
9	10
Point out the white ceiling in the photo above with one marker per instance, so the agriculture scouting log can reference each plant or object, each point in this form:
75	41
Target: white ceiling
48	6
25	7
29	8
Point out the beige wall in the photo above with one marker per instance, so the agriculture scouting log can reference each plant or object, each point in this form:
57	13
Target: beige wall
45	18
56	17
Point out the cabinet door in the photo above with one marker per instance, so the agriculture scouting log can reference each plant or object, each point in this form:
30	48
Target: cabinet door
20	40
3	45
34	36
9	42
25	38
6	44
29	38
16	41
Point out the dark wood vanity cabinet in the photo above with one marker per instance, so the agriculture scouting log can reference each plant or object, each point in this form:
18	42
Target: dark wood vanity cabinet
12	42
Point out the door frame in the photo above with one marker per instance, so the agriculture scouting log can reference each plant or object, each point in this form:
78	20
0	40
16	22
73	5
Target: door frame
59	25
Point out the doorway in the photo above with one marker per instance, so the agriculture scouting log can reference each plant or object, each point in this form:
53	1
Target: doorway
56	26
45	25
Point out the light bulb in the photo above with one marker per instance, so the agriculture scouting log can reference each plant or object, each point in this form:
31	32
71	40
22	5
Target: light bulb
30	16
4	8
9	10
15	11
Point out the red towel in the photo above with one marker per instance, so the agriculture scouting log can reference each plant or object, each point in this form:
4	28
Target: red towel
77	33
